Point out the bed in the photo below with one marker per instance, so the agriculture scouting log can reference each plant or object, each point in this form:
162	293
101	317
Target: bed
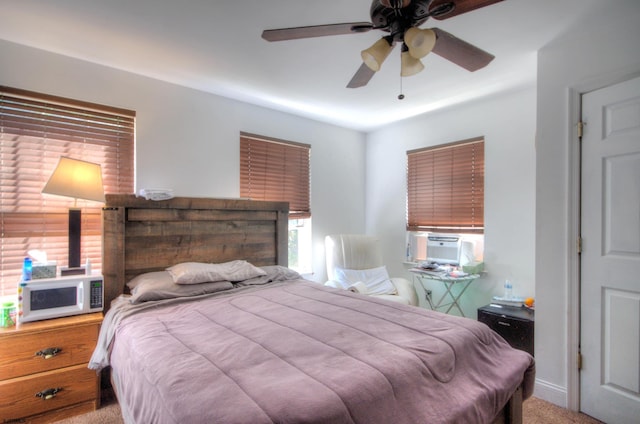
263	345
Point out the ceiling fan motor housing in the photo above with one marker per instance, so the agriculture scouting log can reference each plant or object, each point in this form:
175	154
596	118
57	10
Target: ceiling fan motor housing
396	20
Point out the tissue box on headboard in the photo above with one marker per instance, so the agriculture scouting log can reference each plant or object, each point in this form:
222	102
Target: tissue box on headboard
44	270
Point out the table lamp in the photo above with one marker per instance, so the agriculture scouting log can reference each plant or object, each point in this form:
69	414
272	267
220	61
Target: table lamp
80	180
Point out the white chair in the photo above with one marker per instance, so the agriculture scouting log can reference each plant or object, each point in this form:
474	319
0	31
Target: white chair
362	252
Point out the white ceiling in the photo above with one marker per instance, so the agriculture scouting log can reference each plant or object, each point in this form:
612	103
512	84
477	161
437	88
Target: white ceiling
215	46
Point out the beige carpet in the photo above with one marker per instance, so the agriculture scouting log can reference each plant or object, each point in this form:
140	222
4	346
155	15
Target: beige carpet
535	411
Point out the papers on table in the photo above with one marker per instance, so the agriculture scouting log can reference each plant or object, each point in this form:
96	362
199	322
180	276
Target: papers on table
437	270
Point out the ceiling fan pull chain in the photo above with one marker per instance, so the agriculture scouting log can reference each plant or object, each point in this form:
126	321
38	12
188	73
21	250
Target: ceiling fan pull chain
400	96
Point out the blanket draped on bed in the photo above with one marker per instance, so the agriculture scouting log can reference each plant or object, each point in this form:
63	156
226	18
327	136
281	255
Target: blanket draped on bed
298	352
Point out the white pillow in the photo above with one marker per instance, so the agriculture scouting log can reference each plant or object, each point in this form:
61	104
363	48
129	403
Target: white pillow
375	279
198	272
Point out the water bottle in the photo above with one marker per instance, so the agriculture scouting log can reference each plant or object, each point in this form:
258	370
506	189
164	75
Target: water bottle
27	269
508	289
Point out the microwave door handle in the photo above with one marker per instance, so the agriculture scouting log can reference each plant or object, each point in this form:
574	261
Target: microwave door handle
80	295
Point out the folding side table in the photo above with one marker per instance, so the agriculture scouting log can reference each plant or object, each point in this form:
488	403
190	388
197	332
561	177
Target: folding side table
450	297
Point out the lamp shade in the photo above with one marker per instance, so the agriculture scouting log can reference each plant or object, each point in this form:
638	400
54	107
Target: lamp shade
376	54
419	41
409	65
77	179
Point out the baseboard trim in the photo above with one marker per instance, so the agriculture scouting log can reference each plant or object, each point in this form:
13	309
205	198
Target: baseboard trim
551	393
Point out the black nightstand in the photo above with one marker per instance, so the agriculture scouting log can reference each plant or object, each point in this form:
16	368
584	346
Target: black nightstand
515	325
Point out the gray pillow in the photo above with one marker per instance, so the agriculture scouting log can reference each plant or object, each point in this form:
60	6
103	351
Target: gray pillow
280	273
273	273
159	285
199	272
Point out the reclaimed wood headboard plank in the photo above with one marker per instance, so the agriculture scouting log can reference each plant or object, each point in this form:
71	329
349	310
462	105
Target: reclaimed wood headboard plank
142	236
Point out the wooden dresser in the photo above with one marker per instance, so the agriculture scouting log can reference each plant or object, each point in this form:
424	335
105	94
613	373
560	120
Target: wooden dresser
43	369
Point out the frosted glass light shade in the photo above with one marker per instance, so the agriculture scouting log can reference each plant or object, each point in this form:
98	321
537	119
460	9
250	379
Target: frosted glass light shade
376	54
409	65
77	179
420	41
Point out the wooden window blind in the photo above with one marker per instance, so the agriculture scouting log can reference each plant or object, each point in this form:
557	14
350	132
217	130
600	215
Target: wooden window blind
445	188
35	130
276	170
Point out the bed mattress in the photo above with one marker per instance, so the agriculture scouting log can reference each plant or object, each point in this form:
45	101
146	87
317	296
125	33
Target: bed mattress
299	352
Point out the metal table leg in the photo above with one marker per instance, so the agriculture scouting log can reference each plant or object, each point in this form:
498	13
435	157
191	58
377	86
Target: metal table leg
448	283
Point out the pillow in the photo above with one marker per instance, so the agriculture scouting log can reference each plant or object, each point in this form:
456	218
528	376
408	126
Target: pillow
273	273
198	272
376	280
159	285
280	273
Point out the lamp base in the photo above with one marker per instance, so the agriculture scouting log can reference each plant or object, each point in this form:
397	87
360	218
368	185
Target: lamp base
75	230
64	272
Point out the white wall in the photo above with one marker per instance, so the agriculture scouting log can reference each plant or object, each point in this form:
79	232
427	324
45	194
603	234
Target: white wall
600	50
507	123
189	141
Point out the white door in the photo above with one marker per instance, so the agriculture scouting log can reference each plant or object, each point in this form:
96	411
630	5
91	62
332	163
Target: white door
610	260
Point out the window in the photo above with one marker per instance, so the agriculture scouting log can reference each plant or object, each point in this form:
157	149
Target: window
277	170
445	188
35	130
300	245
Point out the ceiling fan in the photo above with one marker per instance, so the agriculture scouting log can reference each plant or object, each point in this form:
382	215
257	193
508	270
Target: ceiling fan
401	19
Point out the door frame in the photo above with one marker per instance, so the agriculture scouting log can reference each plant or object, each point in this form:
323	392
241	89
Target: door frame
575	93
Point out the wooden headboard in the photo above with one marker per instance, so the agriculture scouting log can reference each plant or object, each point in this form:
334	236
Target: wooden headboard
142	235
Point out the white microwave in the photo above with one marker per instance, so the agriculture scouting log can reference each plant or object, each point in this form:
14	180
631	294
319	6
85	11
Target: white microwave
59	297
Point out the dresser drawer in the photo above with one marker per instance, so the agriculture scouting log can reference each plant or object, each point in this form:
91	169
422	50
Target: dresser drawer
511	329
75	384
25	352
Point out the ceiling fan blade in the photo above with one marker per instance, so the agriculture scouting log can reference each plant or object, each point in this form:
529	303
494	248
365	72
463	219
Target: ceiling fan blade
362	77
315	31
461	6
460	52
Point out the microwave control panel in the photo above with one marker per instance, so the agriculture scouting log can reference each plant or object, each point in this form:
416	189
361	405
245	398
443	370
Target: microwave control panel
96	295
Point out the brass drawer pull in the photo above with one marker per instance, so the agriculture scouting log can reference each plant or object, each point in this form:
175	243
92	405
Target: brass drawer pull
48	393
49	352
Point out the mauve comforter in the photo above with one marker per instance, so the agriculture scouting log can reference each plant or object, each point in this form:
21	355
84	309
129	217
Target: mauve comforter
299	352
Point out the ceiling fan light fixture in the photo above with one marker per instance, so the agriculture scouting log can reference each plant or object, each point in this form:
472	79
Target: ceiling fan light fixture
376	54
420	41
409	65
